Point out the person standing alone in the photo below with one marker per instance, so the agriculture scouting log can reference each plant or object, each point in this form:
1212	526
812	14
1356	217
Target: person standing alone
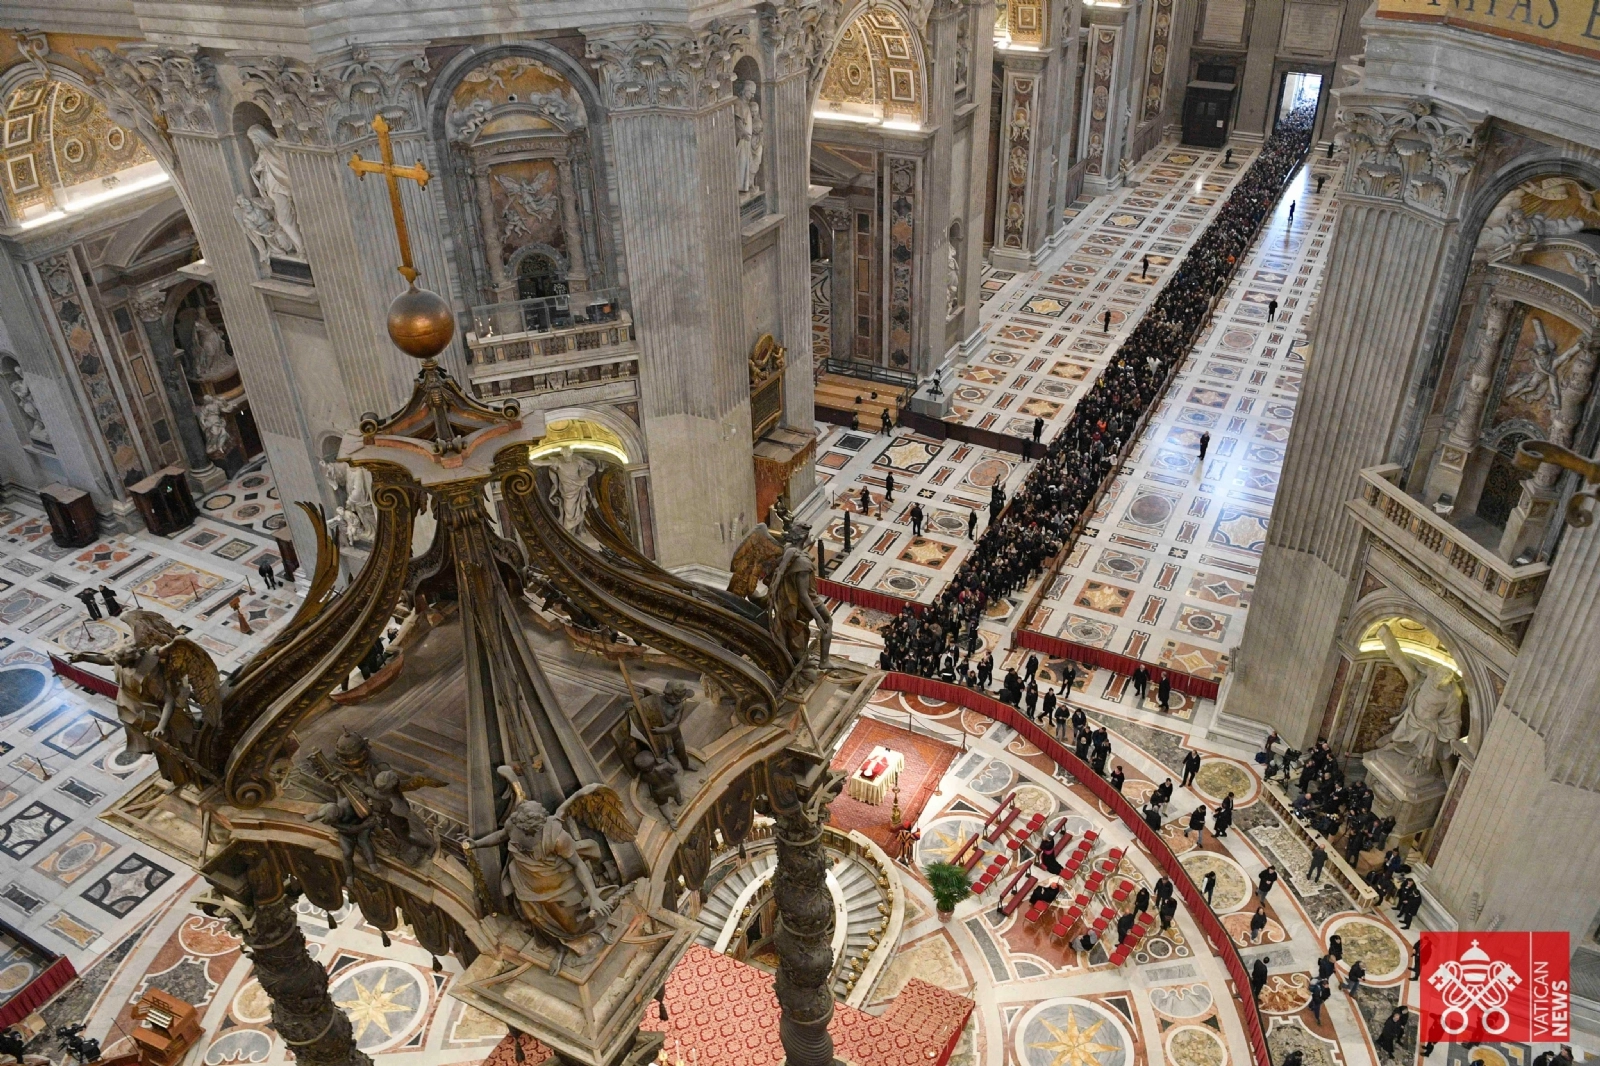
1205	442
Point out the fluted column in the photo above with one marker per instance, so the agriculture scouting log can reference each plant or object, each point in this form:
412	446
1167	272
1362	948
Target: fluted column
668	90
1383	272
1374	303
1445	478
577	269
1508	860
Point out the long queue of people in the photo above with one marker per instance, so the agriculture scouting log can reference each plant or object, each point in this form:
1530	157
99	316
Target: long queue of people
1045	513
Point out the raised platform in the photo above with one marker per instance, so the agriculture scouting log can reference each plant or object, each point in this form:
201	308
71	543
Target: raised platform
836	400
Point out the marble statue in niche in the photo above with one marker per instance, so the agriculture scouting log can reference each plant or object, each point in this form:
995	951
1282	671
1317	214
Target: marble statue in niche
354	512
1431	715
570	494
24	397
212	413
270	173
952	282
749	128
208	351
266	236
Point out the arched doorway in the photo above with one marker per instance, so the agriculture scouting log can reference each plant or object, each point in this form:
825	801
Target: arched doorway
539	276
866	148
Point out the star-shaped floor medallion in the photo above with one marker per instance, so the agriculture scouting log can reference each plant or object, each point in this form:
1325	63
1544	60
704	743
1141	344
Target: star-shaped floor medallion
1073	1046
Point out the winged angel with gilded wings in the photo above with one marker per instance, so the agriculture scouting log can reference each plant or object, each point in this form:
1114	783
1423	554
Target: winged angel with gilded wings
548	869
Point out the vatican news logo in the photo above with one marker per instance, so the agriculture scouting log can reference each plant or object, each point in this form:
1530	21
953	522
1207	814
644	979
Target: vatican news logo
1482	987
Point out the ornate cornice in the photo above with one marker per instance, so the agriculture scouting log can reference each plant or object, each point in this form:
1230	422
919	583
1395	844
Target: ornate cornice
652	66
333	101
1413	151
801	34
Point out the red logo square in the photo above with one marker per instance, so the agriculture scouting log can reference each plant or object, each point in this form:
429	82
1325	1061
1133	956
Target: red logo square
1495	986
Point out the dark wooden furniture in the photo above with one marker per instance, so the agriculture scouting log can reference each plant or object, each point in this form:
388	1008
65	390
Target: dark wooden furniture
164	501
73	522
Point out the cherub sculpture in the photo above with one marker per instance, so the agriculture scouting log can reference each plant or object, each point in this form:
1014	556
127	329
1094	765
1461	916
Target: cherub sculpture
549	865
161	672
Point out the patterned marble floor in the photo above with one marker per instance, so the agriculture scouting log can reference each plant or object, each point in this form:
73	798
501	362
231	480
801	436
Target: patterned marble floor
1044	1004
1044	345
249	500
69	881
1165	571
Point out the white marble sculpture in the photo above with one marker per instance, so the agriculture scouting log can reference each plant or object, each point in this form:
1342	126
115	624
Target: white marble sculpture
749	127
266	236
212	414
30	411
1431	716
351	488
208	352
952	282
571	492
271	176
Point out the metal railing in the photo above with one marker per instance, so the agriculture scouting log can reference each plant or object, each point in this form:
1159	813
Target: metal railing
870	372
548	314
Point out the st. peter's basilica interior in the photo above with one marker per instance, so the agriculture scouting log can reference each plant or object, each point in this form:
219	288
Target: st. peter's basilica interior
877	532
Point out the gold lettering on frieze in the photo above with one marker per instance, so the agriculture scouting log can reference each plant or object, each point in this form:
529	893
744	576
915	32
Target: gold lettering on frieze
1566	25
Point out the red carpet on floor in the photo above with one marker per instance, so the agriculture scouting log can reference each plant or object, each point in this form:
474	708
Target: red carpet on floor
926	761
721	1012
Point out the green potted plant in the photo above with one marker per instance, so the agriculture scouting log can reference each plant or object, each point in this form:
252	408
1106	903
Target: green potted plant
949	885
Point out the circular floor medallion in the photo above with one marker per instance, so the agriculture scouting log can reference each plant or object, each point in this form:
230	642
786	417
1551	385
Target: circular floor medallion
1072	1032
20	686
1385	956
1195	1045
384	999
1218	777
1150	510
986	472
1233	888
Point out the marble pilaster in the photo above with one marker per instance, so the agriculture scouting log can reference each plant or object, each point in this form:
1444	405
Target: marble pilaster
1103	123
669	91
1020	188
1373	306
1405	166
785	172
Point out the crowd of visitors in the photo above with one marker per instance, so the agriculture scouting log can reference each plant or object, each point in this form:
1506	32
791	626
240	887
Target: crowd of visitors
1046	512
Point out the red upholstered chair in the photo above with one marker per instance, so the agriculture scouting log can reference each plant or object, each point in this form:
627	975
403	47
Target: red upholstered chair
1090	836
1036	911
1063	926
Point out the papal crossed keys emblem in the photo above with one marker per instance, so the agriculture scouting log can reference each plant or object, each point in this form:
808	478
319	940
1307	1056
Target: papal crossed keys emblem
1475	980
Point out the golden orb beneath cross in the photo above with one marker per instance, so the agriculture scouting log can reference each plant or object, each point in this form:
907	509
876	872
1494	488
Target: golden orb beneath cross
420	323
